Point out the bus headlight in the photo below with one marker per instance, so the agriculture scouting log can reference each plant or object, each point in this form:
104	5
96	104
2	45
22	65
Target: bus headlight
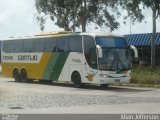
103	75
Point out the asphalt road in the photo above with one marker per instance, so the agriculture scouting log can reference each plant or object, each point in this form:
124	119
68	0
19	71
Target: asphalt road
36	98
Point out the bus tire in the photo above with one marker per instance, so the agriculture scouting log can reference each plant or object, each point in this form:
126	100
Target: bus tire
23	76
16	75
76	79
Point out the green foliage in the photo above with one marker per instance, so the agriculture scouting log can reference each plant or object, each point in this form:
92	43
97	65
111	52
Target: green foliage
41	21
146	75
73	13
69	14
133	10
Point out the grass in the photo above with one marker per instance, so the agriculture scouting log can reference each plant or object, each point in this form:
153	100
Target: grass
146	75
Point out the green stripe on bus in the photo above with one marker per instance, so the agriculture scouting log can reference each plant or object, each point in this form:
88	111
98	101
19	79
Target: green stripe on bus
55	66
50	65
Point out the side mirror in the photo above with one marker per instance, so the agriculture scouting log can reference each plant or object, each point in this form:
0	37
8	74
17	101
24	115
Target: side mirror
99	50
135	52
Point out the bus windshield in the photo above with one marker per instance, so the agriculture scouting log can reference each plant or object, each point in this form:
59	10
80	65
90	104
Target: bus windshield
116	55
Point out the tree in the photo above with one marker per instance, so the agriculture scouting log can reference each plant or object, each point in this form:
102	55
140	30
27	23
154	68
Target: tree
133	8
155	7
69	14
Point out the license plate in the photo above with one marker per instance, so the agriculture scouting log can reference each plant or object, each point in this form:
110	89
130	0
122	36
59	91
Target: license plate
117	80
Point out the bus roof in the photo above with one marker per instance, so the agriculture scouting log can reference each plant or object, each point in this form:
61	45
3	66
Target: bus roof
107	34
65	33
45	35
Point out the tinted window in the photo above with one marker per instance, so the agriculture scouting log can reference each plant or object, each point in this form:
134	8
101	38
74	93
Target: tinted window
50	44
0	45
90	51
17	46
39	45
75	44
0	49
62	44
5	46
28	45
13	46
119	42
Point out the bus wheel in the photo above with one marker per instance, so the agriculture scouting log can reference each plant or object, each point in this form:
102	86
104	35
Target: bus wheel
23	76
16	75
76	79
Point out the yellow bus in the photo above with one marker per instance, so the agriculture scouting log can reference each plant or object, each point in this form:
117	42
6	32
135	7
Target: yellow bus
78	58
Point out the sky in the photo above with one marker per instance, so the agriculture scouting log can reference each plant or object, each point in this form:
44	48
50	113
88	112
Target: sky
17	18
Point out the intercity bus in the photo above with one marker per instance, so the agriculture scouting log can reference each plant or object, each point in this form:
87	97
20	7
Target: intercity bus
78	58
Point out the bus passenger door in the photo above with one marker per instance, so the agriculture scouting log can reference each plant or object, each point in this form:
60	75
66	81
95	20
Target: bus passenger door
90	55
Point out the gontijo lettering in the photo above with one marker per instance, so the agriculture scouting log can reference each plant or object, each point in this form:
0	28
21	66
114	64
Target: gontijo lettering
28	57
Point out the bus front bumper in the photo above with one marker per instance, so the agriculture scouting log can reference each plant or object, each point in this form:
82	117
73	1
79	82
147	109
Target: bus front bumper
115	80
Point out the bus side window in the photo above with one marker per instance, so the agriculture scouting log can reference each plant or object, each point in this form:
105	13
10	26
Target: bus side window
93	57
13	46
50	44
62	44
90	51
17	46
38	45
28	45
75	44
5	47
